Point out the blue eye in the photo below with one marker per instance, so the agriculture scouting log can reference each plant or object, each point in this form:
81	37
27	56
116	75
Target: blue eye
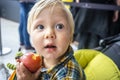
59	26
40	27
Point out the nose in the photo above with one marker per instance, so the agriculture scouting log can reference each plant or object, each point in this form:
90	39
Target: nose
49	34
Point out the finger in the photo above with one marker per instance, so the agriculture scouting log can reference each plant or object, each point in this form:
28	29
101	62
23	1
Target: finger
18	60
21	71
23	68
17	66
18	69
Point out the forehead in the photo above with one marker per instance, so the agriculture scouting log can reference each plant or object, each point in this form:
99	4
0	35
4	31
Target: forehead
57	10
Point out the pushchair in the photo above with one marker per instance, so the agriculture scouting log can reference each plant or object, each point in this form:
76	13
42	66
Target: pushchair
102	62
110	46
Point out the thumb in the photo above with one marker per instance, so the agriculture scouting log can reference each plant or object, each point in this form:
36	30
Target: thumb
37	73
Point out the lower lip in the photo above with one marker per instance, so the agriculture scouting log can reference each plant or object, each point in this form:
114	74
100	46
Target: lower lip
51	49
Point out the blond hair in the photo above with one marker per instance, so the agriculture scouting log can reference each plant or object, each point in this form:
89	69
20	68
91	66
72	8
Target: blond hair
41	5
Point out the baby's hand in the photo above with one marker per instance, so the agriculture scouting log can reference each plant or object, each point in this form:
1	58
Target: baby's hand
24	74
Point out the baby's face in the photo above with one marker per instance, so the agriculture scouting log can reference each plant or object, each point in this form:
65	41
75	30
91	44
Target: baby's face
50	33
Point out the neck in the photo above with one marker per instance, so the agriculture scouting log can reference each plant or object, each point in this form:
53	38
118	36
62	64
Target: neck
50	63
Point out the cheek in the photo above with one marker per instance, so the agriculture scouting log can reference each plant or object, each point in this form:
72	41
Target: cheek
64	44
65	40
33	41
68	37
36	40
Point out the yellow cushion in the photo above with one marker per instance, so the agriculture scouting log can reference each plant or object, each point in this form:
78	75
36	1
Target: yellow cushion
85	56
96	65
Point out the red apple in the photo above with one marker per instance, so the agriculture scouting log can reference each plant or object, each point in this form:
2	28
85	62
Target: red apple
31	61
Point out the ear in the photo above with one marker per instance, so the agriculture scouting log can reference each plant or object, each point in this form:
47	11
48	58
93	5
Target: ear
71	39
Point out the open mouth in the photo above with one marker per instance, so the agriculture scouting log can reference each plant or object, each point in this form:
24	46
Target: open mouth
50	46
